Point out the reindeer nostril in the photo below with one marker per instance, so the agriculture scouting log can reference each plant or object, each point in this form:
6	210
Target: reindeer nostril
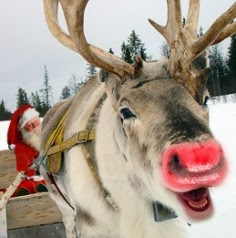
175	159
175	164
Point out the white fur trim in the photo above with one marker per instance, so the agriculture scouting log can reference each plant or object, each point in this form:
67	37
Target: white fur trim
28	115
12	146
35	178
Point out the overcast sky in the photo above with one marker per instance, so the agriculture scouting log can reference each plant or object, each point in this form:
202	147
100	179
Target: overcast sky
26	44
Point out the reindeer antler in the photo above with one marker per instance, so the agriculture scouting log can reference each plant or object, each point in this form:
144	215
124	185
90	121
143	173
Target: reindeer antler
76	40
186	45
184	42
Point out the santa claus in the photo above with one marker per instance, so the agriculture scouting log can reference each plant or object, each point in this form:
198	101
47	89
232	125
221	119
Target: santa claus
23	137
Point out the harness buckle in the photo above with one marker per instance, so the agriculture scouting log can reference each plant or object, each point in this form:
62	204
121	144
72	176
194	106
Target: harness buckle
82	136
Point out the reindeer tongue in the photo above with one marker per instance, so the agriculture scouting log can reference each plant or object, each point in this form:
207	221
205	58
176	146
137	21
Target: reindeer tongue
195	194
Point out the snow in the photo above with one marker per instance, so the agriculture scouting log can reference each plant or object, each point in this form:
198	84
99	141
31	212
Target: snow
223	125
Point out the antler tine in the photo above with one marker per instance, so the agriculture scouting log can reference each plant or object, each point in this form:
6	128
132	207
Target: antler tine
227	32
179	39
191	24
76	40
185	45
51	11
174	12
173	24
214	32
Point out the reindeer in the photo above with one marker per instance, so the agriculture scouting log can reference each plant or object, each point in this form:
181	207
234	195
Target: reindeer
138	156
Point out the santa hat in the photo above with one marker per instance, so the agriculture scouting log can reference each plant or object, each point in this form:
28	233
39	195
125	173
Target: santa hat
19	118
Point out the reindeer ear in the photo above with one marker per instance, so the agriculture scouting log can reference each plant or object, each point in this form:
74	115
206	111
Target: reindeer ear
201	84
138	66
112	83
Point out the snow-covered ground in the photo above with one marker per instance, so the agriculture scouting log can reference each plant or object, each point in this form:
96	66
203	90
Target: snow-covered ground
223	125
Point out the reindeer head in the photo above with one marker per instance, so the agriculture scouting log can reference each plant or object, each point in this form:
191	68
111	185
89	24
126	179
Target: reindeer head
172	156
174	90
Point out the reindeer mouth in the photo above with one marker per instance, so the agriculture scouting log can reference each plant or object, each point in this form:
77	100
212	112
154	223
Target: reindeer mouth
189	169
197	203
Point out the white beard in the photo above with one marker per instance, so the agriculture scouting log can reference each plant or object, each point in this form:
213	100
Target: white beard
31	138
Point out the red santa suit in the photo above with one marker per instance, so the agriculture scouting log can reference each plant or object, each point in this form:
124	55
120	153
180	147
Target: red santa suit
25	153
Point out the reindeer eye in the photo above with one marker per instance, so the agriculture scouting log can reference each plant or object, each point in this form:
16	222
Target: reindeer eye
205	100
126	113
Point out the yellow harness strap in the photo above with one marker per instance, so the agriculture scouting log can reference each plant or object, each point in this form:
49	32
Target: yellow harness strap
54	161
78	138
57	133
55	145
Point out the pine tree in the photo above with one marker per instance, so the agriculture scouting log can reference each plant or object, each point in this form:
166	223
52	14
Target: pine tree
134	42
91	71
4	113
111	51
200	32
21	98
126	53
232	54
218	80
46	92
142	52
231	62
133	47
36	103
75	83
165	50
183	22
65	93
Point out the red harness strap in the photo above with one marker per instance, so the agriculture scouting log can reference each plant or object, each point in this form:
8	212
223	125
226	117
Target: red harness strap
52	180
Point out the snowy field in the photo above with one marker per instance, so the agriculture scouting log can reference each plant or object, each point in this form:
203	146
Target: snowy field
223	125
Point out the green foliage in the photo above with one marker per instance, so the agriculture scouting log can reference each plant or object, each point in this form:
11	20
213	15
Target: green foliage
4	113
132	48
75	83
232	54
65	93
222	80
183	22
217	82
21	98
91	71
111	51
165	50
37	104
231	62
126	53
200	32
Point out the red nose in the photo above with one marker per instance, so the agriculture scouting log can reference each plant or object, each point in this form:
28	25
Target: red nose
189	165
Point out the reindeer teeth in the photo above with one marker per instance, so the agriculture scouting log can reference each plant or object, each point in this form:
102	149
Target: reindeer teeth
198	205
